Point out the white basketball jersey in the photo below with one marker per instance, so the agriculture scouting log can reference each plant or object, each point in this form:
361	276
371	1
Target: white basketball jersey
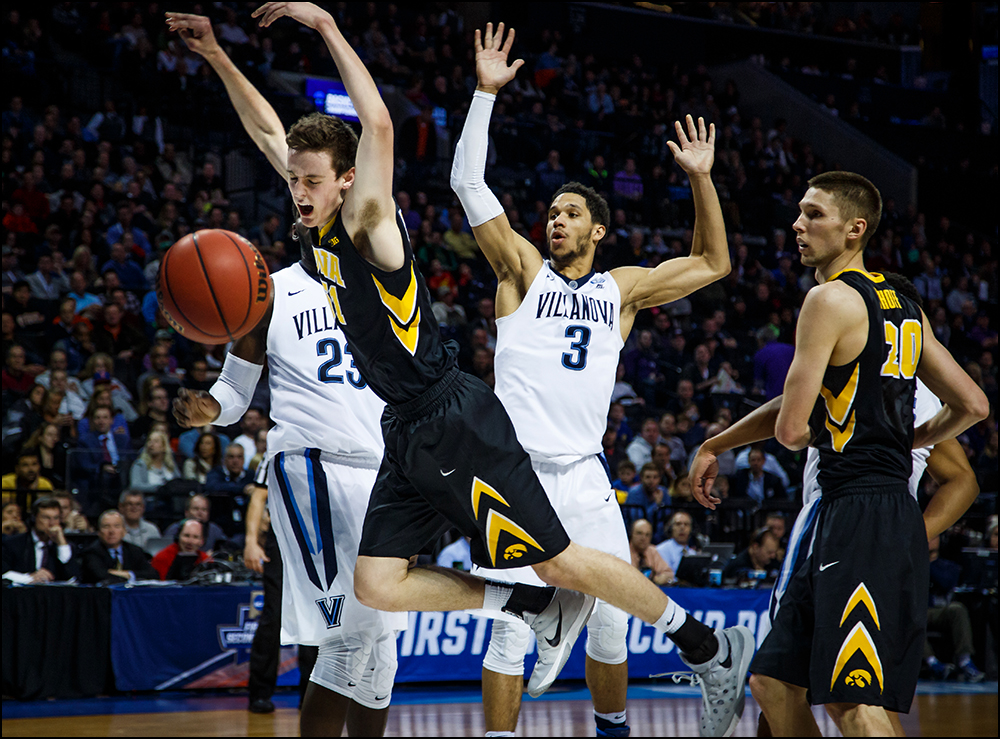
318	398
556	359
926	406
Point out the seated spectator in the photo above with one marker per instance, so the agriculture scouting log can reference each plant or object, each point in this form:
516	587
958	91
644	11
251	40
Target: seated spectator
231	477
12	520
644	555
252	422
26	478
207	456
155	464
456	555
680	542
160	361
41	554
640	451
461	242
199	509
617	420
138	531
758	557
661	458
771	464
726	460
97	459
17	377
648	490
189	539
111	559
668	436
99	372
680	490
104	398
776	522
72	407
73	519
950	617
23	417
626	478
261	454
155	410
114	337
756	483
130	275
46	282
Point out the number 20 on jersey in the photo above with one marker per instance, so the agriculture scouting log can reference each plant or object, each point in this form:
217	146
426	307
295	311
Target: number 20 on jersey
905	344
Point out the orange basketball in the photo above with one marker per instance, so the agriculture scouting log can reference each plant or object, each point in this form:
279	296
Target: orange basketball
213	286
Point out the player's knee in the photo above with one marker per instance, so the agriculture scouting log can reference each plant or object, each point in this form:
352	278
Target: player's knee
764	688
560	571
508	645
607	631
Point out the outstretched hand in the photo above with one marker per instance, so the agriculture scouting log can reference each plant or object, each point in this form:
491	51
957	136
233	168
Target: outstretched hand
307	14
195	30
491	59
696	152
704	470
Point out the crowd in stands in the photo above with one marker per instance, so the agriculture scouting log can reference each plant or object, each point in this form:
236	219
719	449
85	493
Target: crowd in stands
93	194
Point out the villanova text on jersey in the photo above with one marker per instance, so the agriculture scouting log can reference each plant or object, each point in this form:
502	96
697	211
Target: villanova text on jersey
312	321
576	308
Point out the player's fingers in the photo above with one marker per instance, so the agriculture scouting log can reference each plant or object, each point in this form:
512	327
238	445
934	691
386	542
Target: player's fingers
488	37
259	10
711	134
478	41
498	37
702	131
692	131
681	136
674	148
509	42
517	64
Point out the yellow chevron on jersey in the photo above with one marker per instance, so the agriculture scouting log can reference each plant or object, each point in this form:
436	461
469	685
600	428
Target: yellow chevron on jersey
838	438
858	640
495	524
839	405
404	315
328	266
861	596
479	489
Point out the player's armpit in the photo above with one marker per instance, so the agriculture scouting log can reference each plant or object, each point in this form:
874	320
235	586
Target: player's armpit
510	254
642	287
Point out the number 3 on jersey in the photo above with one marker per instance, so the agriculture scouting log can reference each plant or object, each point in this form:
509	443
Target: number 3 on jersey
905	344
576	359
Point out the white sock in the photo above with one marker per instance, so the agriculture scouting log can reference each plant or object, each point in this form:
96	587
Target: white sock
500	733
618	717
495	599
672	619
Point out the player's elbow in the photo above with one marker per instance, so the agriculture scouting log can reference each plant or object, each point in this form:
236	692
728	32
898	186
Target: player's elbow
979	406
789	436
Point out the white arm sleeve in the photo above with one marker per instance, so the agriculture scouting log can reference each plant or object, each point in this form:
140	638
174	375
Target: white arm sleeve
234	388
469	168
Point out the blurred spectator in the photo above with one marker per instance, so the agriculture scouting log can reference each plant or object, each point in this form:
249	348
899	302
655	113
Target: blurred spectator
73	519
46	442
103	398
456	238
12	521
46	283
138	530
649	490
232	477
950	617
680	543
199	509
756	482
155	465
111	559
26	478
207	456
130	275
759	557
640	451
189	539
98	373
97	461
41	554
626	478
252	422
771	464
644	555
157	410
18	378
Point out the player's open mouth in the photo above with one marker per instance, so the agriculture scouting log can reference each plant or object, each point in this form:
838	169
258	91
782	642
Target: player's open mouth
305	210
558	238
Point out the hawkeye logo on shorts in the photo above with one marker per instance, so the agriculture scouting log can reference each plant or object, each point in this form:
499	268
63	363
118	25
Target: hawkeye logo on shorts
496	523
332	609
840	418
860	678
859	640
328	266
515	551
404	315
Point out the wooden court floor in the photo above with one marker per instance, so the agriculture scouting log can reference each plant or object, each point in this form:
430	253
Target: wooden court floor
933	715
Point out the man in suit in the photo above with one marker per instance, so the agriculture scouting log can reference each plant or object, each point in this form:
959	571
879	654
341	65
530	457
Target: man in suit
99	460
756	483
41	554
232	477
111	559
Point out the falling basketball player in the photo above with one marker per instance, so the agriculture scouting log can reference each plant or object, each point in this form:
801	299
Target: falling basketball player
451	454
561	328
850	629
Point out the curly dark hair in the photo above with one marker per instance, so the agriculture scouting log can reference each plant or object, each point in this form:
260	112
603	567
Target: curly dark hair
598	206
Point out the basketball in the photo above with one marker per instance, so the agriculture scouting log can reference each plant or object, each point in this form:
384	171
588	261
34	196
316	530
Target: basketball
213	286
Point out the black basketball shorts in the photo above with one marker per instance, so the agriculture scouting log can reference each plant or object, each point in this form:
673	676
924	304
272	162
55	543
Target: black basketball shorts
452	459
852	621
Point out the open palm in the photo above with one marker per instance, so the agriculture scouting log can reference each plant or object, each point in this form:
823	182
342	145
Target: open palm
696	152
491	58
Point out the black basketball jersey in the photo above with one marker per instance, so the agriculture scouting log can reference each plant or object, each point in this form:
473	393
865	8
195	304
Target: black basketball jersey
864	415
391	330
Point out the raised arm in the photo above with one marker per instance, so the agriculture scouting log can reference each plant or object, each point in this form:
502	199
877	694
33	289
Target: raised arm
515	260
964	403
709	258
369	212
256	114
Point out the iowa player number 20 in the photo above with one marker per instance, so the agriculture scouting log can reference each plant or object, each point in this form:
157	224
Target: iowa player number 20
905	343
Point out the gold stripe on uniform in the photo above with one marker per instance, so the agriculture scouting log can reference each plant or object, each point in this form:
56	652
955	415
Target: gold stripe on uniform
839	405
